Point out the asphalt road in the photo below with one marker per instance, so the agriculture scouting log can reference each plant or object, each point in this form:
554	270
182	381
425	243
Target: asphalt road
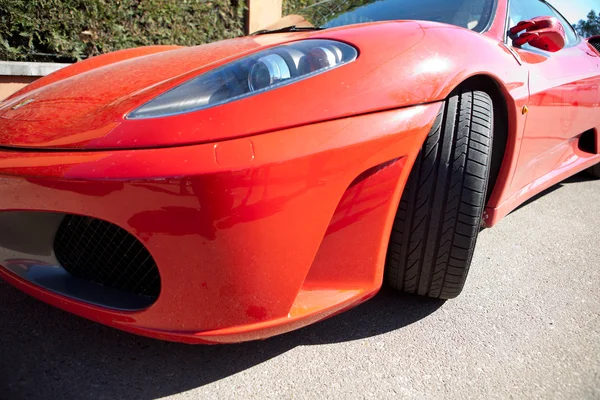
526	326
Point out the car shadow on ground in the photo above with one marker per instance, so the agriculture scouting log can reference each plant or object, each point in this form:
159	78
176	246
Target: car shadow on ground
574	179
47	353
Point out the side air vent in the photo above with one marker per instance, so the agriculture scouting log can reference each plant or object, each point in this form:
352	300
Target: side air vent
104	253
587	142
595	42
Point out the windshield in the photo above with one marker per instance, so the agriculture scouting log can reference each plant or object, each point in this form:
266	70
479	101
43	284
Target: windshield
470	14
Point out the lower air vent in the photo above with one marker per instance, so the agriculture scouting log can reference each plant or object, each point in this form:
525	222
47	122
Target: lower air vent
103	253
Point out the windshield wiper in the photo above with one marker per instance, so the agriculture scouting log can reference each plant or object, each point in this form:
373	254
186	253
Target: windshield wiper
291	28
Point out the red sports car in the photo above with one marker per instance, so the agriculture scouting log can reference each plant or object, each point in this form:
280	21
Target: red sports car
242	189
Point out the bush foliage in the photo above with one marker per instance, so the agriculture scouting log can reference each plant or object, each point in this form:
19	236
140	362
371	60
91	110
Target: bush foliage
69	30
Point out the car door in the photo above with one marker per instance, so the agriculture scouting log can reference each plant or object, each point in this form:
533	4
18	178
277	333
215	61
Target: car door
564	97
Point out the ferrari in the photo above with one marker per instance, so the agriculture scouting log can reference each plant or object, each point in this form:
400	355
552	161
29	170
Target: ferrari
242	189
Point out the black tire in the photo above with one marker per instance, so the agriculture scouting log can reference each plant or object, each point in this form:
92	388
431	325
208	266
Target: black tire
439	217
594	171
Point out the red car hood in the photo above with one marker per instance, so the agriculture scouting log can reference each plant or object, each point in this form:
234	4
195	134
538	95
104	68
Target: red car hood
87	100
84	106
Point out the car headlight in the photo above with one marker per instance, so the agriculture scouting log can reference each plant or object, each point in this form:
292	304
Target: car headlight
250	75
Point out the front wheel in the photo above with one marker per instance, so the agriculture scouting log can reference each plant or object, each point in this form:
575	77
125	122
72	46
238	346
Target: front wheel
439	217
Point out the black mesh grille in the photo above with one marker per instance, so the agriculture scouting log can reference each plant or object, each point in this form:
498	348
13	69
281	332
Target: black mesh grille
596	44
101	252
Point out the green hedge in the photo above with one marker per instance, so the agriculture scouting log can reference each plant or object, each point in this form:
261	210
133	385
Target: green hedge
69	30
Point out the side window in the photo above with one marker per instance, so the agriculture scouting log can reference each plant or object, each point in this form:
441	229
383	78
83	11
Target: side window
521	10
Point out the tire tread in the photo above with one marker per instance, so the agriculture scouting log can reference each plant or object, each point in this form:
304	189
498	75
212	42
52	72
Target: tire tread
436	227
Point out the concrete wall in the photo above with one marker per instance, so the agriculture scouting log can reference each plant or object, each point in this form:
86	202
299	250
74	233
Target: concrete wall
16	75
10	84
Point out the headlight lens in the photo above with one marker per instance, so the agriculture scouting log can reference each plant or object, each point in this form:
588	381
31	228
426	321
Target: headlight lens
250	75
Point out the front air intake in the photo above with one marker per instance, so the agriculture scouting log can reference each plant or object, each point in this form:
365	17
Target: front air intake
103	253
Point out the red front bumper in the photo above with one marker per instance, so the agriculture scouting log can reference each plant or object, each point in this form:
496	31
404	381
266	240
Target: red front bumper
252	237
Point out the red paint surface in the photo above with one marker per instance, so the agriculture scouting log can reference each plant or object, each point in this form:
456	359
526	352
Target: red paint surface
277	212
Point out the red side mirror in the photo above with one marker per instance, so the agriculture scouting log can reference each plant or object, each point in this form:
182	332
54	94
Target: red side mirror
545	33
